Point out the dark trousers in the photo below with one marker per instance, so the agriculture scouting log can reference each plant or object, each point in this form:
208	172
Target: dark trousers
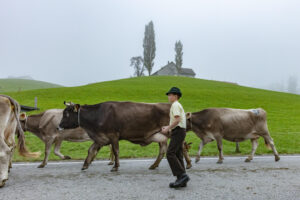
175	151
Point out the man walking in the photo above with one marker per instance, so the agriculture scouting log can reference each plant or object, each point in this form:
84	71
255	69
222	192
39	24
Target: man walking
177	127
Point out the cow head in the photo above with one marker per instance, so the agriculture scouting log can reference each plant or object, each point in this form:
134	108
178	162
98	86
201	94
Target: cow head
188	117
70	116
23	118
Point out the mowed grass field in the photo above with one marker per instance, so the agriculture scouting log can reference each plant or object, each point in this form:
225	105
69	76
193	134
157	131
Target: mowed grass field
283	111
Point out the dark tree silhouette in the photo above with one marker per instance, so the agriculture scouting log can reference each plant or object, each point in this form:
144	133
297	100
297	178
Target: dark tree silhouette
178	55
149	47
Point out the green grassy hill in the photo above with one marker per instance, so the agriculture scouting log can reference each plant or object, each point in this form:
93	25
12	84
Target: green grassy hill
19	85
283	110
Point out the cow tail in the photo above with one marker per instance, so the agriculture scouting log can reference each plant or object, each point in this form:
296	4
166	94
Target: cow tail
23	151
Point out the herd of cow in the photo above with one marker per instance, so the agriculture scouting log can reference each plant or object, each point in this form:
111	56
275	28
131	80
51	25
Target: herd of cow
108	122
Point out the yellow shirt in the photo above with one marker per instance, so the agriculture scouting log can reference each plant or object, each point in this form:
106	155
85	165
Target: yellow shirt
177	110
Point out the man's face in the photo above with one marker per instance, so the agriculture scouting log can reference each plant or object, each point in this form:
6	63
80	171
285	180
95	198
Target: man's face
172	97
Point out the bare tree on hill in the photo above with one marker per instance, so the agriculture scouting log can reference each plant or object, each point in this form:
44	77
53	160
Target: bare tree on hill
137	63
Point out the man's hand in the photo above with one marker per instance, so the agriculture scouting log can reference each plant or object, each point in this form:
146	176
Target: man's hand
165	129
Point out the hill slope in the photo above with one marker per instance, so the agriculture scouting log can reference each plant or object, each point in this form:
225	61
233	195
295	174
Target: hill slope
14	85
282	108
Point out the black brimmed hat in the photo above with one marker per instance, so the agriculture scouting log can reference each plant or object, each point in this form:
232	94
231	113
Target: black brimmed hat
174	90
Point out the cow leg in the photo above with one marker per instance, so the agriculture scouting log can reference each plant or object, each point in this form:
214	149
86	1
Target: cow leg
4	162
187	157
254	147
9	135
5	150
159	138
115	148
11	157
203	142
220	148
111	156
237	147
10	164
92	152
201	145
57	152
269	142
48	144
11	144
162	151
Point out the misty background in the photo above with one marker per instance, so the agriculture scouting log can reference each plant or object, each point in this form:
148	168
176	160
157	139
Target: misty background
251	42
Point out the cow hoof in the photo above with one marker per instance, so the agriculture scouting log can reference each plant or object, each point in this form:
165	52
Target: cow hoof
277	158
114	169
220	162
84	168
2	184
110	163
67	157
197	160
189	166
248	160
41	166
152	167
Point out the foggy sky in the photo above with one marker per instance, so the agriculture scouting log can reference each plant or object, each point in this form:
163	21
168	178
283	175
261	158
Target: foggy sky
68	42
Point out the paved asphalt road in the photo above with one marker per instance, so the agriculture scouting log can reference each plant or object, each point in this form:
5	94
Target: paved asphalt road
234	179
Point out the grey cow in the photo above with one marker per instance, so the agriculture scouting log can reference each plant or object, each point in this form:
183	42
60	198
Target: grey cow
44	126
235	125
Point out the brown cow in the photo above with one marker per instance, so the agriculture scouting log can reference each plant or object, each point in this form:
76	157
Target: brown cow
234	125
44	126
9	125
109	122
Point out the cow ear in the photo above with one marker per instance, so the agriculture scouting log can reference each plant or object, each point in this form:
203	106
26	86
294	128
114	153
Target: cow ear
23	116
188	115
76	107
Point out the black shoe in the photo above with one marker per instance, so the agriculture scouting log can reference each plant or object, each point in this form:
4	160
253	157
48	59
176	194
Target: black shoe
171	185
178	177
181	182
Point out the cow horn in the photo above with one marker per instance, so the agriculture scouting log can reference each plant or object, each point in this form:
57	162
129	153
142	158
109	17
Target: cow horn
67	104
